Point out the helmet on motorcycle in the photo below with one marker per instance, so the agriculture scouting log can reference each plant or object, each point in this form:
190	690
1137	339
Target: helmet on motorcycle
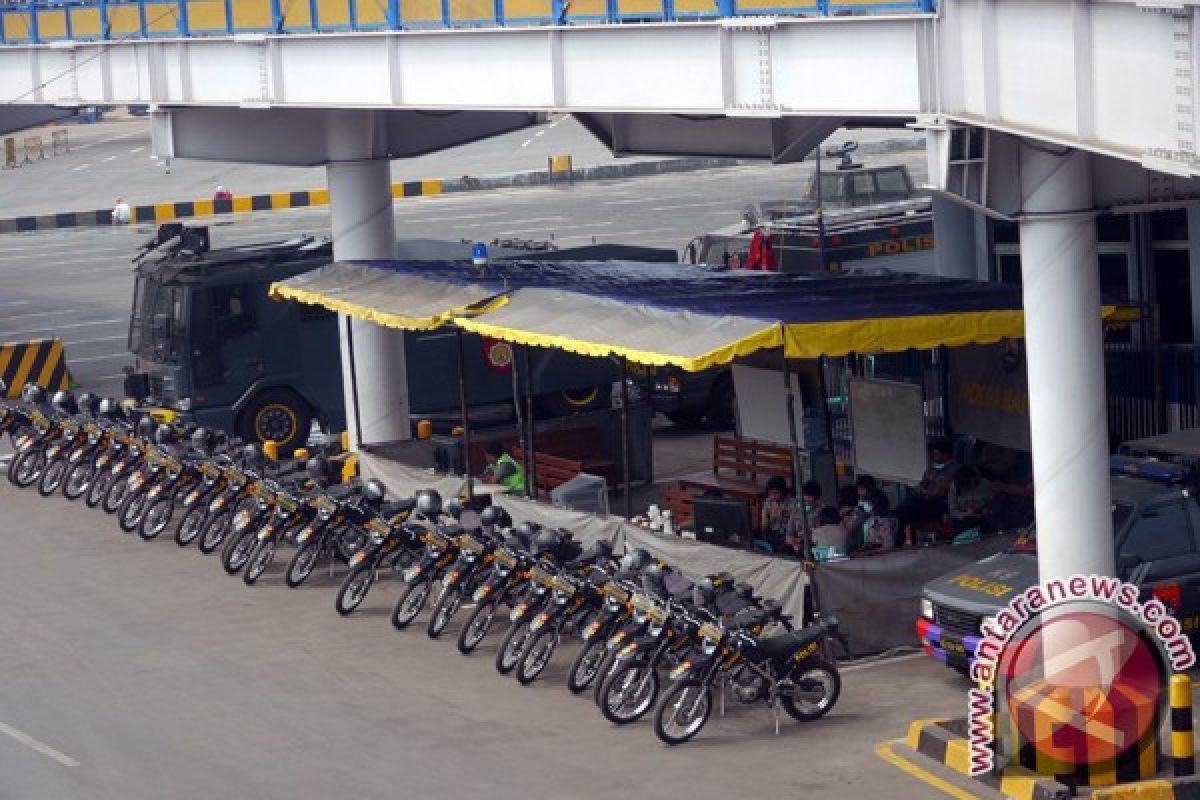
632	563
163	434
202	439
703	593
64	401
545	541
252	456
89	403
429	502
32	393
319	469
145	427
495	517
453	509
654	579
110	408
373	491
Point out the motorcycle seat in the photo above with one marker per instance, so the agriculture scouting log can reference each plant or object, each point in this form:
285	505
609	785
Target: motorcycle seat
781	647
398	507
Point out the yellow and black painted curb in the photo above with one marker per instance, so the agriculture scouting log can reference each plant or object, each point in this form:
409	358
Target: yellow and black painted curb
40	361
944	741
1170	789
239	204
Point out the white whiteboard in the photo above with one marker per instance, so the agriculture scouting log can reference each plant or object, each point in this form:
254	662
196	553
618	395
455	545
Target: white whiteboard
762	405
887	421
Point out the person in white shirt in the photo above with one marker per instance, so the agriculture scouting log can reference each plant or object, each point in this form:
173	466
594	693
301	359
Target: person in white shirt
122	214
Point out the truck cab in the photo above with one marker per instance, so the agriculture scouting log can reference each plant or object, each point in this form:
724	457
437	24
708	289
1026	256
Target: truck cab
1156	526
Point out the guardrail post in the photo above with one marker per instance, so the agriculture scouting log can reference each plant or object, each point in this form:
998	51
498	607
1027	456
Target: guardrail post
498	6
1183	748
669	10
352	14
67	22
104	27
726	8
393	14
141	4
314	14
446	13
823	7
185	29
229	17
276	17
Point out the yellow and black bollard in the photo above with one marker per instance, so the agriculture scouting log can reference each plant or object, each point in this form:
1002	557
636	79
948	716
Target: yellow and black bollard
1183	745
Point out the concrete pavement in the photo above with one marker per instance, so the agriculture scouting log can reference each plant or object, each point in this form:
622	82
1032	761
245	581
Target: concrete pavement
162	677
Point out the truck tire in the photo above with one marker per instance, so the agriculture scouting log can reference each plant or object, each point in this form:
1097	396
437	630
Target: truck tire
277	414
575	401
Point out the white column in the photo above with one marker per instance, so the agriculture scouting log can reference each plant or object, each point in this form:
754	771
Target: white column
1065	354
360	200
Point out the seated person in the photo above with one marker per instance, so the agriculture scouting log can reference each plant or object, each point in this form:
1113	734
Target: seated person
880	531
503	469
811	493
865	485
778	510
970	501
929	502
852	517
829	538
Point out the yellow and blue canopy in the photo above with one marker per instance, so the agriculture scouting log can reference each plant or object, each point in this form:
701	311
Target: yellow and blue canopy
670	314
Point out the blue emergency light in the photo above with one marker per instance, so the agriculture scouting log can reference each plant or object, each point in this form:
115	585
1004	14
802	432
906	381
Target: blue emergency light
1148	468
479	254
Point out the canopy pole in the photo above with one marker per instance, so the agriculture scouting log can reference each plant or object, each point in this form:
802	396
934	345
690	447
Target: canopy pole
358	432
531	421
797	475
822	363
517	402
465	412
628	495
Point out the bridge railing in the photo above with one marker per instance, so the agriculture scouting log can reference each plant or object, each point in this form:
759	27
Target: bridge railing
38	21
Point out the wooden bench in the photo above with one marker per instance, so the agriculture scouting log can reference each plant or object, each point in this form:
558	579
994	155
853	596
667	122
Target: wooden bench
550	471
678	501
740	469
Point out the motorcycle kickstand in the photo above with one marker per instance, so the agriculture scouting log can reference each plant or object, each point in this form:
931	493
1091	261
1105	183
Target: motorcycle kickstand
721	696
775	712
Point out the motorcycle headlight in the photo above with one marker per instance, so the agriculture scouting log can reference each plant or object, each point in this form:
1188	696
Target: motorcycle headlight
323	514
183	404
434	552
561	596
503	571
639	617
708	646
926	608
655	628
611	605
377	539
93	438
469	556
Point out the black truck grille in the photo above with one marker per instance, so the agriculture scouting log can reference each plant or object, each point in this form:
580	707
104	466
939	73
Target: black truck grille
954	621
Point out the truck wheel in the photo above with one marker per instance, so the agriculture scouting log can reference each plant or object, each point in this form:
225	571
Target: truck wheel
279	415
575	401
721	404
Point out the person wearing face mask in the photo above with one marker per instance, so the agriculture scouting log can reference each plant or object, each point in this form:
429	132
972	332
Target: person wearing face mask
880	530
929	502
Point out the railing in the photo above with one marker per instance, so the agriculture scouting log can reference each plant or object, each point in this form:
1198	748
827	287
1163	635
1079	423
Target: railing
38	21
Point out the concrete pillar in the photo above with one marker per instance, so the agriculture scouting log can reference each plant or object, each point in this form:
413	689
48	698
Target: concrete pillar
1065	356
360	200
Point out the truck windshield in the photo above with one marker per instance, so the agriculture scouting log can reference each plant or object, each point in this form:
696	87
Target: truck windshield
1027	543
156	325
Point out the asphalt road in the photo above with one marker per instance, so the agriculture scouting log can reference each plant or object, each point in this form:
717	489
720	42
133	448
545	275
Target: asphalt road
77	283
139	670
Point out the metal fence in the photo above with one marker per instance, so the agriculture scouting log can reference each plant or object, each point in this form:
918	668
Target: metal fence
1149	395
38	21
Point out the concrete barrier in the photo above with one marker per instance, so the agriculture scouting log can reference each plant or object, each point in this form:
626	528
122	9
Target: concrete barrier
40	361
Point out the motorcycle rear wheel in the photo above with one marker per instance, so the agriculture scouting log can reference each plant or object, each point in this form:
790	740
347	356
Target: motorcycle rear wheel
817	688
52	477
448	603
238	551
512	647
538	654
26	468
683	711
476	627
102	481
260	559
586	665
191	525
354	590
78	480
132	509
118	489
413	596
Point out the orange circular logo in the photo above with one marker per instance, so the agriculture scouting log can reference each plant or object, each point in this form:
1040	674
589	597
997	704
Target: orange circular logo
499	355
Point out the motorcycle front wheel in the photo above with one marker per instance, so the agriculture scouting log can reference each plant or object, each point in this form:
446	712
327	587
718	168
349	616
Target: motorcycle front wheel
102	481
215	528
444	610
78	480
26	468
118	489
354	589
191	525
260	559
413	596
52	477
476	627
815	689
629	692
512	647
302	564
586	665
237	552
683	711
537	656
132	508
157	518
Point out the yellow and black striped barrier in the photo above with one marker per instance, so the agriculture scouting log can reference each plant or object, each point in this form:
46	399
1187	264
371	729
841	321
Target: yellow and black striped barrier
1183	742
40	361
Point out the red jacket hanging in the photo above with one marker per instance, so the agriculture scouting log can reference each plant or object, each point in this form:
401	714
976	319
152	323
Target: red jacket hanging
762	256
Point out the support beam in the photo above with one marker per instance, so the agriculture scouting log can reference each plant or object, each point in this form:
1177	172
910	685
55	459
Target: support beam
373	371
1065	357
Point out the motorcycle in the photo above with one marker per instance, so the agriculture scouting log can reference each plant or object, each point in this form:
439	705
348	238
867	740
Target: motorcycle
475	555
576	601
441	550
508	579
392	541
790	666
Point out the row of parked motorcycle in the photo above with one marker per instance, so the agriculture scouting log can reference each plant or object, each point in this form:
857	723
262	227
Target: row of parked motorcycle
641	622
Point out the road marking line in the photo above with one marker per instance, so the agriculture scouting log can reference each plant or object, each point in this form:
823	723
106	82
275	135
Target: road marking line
886	751
691	205
15	303
97	341
881	662
122	268
41	747
124	321
110	158
628	202
109	357
81	166
41	314
136	150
